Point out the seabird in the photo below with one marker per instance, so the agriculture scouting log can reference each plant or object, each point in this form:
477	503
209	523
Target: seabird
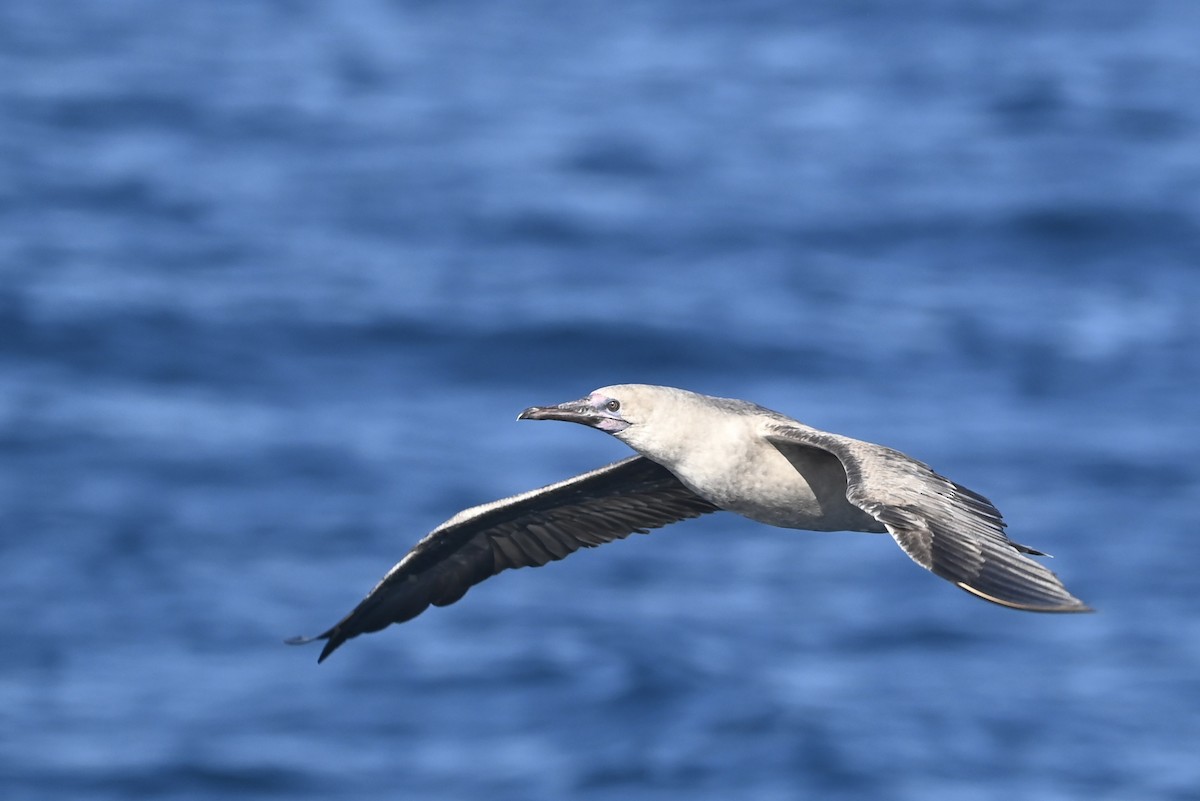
700	454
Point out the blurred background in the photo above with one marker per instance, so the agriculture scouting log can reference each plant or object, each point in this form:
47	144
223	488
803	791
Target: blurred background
276	278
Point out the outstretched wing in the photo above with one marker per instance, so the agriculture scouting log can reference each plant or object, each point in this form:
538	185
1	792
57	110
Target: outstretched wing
526	530
945	527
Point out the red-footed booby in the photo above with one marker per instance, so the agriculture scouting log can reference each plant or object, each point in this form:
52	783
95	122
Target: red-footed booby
700	454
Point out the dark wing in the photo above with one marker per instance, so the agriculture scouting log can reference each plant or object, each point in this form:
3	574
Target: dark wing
526	530
946	528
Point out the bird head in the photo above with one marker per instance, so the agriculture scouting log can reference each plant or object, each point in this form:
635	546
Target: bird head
643	416
607	409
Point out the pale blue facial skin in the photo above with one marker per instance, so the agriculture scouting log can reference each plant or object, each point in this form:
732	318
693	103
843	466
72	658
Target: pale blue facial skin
610	422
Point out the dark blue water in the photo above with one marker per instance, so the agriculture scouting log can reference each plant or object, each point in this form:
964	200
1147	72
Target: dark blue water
276	278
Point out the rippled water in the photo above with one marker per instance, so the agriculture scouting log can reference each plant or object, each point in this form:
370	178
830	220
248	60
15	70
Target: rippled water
275	279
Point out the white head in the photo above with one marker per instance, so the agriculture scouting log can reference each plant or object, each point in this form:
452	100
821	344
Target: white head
642	416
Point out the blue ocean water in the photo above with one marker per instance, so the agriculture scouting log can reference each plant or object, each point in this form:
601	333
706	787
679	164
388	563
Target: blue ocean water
276	278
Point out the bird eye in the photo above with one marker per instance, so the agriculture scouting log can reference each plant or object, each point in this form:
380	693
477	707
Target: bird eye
613	405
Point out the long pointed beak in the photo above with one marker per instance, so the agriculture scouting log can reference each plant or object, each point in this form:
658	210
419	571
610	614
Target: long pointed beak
580	411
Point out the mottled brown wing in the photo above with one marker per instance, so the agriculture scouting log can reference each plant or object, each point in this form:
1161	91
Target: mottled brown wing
945	527
526	530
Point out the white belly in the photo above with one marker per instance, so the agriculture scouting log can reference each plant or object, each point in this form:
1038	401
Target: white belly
804	489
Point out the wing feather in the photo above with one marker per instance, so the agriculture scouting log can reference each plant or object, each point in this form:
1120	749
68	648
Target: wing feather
944	527
527	530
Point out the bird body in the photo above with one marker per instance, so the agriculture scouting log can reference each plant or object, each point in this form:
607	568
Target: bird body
723	456
699	454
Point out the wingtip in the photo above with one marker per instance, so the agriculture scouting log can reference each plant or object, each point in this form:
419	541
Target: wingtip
1070	604
330	646
334	643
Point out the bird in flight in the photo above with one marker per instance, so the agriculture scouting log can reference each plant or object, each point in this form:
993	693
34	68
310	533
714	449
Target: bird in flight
699	454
